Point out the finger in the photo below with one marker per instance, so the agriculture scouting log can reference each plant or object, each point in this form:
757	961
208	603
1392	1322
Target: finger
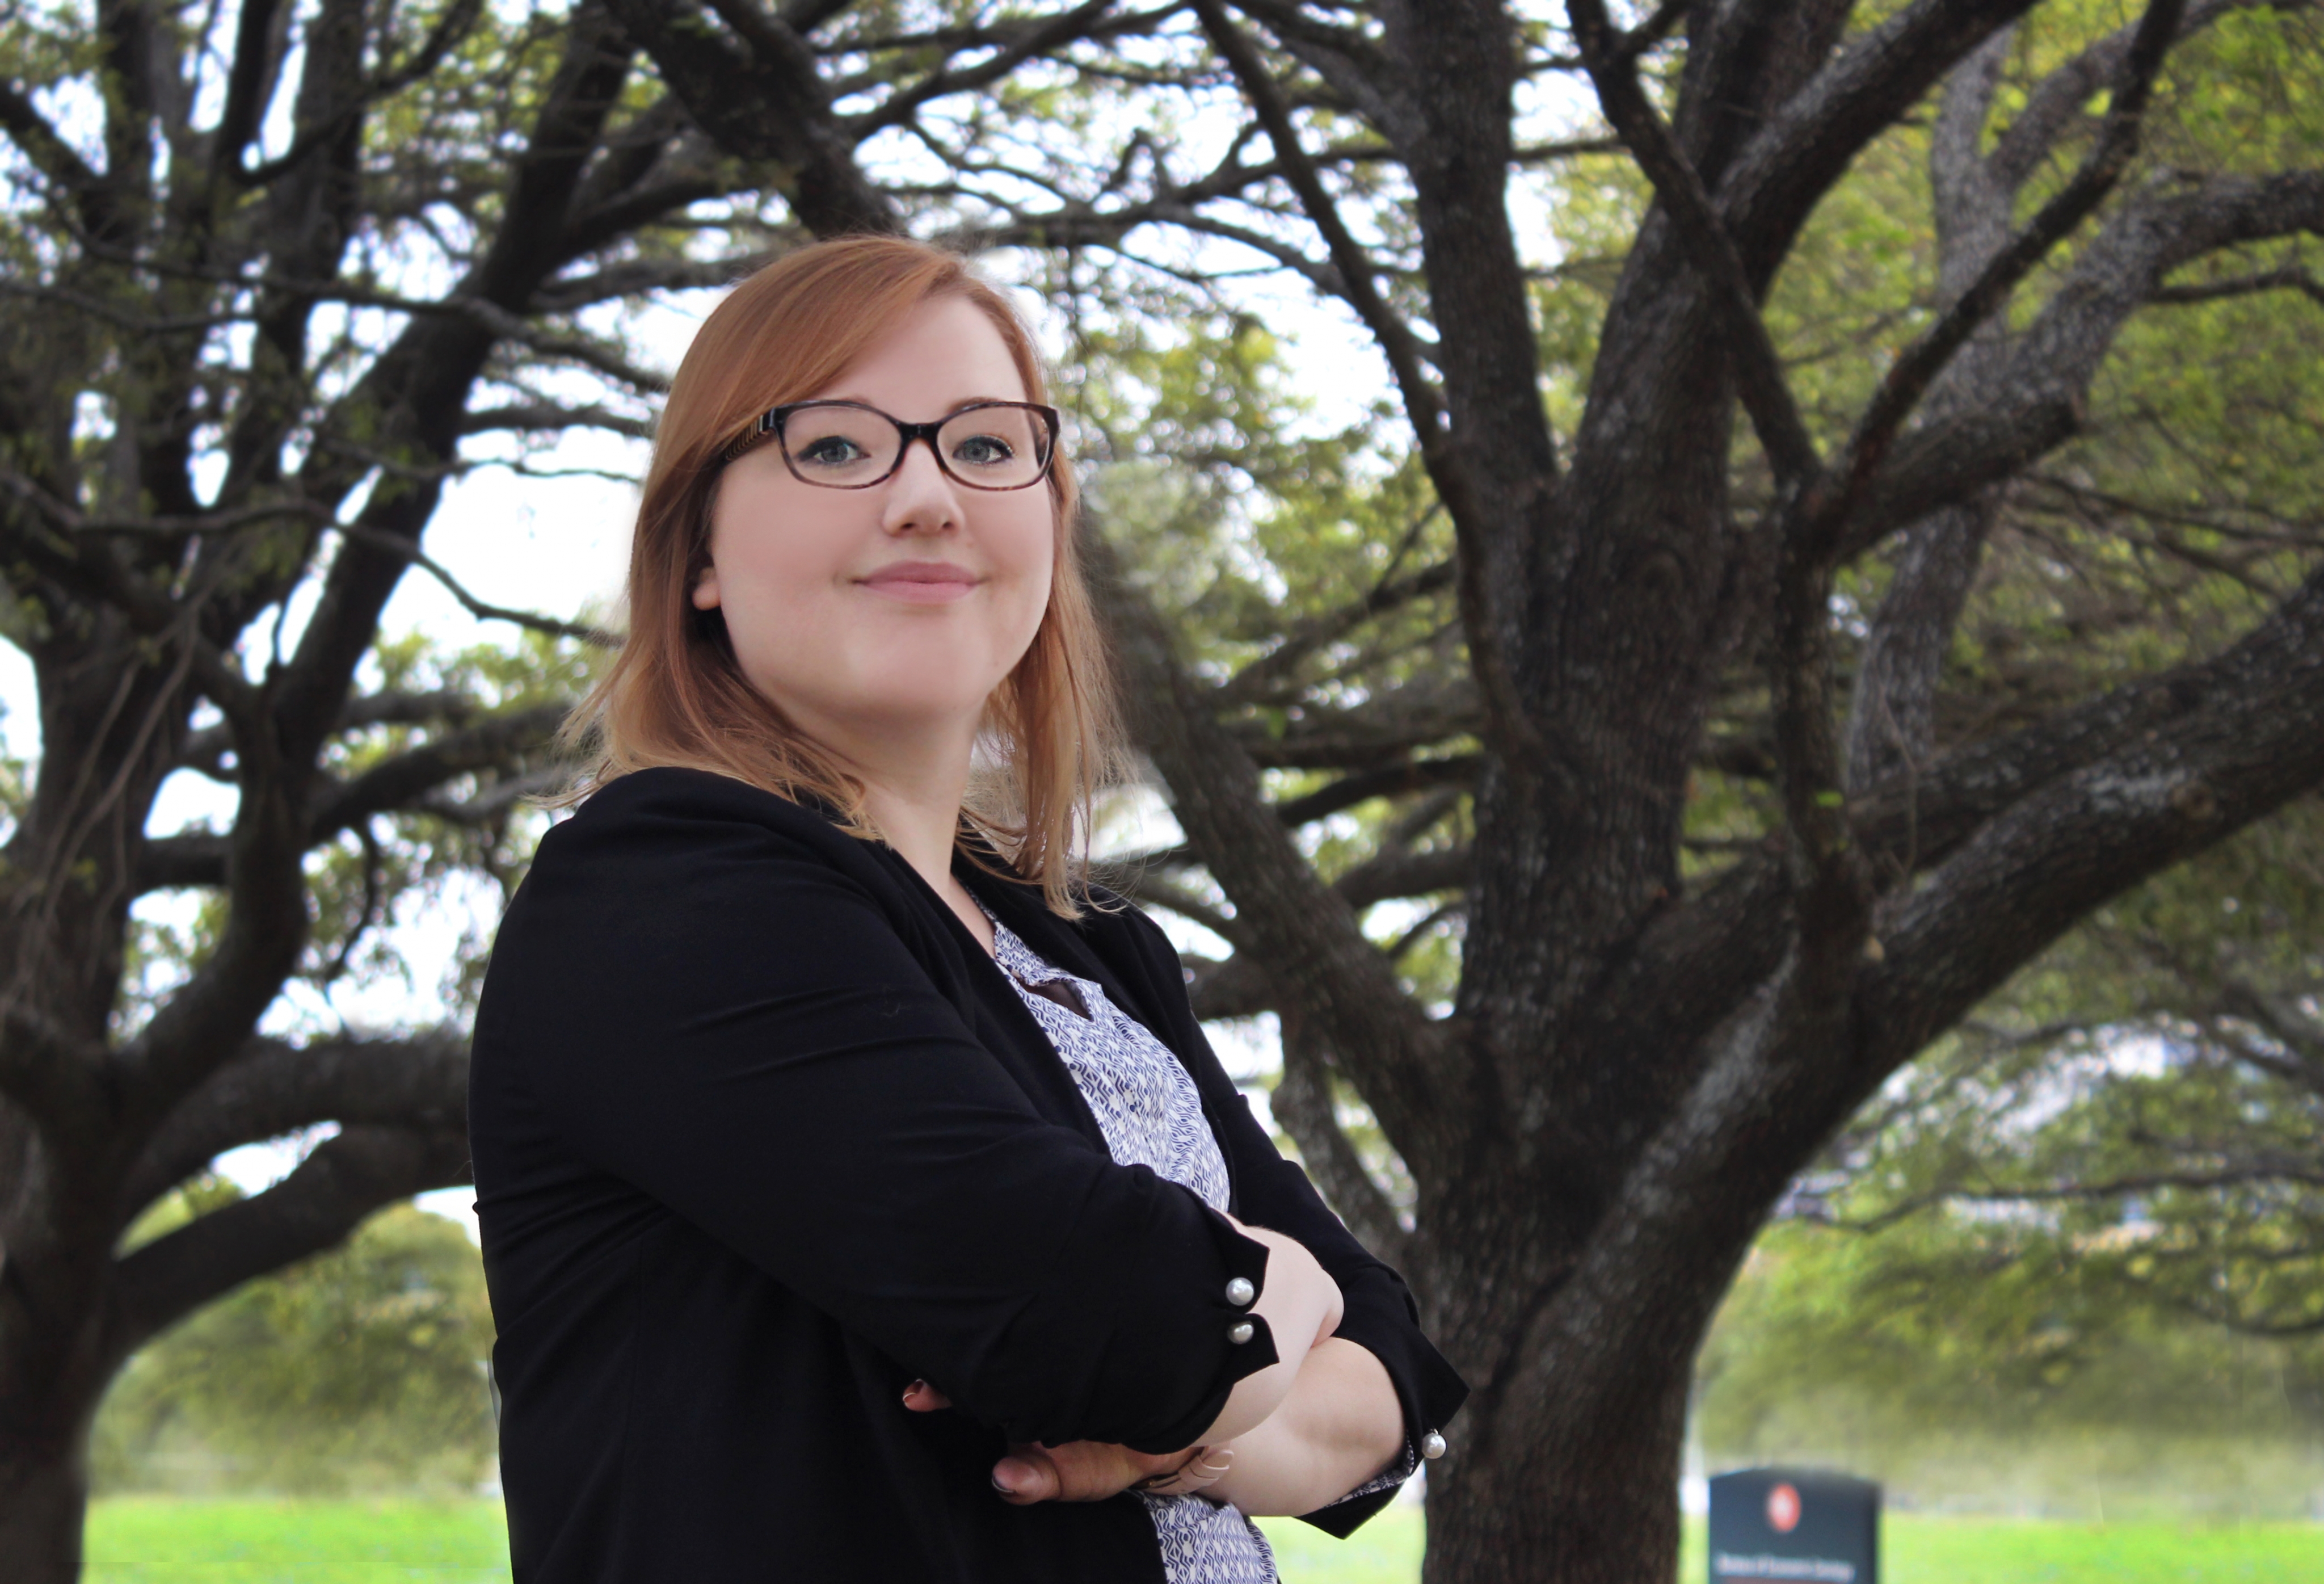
1026	1475
923	1398
1206	1469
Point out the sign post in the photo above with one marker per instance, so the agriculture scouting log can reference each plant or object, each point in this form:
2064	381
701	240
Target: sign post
1794	1527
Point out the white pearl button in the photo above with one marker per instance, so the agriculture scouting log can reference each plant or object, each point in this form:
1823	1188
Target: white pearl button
1431	1445
1239	1291
1241	1331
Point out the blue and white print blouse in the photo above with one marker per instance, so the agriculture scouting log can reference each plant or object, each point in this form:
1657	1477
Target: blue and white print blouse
1151	1114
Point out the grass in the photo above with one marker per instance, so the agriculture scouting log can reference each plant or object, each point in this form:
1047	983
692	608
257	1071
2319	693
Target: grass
1914	1551
167	1540
142	1540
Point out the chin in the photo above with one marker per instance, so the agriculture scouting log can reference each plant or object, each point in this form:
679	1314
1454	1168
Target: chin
935	679
913	695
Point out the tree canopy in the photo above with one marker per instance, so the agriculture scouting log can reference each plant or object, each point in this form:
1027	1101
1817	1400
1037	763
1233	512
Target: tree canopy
1831	516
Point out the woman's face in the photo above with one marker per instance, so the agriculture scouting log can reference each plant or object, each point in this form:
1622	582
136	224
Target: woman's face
893	610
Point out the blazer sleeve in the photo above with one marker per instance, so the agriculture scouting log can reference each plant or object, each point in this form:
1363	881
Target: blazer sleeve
714	1013
1380	1314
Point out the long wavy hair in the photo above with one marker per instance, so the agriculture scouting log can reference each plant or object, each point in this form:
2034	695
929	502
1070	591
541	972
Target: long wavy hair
674	696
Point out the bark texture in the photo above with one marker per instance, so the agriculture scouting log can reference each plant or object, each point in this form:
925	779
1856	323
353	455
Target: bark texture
1636	1063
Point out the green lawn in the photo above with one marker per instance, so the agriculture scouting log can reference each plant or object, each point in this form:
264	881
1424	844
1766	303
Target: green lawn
163	1540
1914	1551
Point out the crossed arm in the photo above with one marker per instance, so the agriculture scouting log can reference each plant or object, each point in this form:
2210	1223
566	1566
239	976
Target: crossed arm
1294	1437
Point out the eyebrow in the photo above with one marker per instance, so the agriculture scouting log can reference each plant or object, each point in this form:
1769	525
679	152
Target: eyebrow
957	406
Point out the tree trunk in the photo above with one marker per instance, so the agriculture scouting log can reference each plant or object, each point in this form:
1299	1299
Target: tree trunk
44	1490
1558	1500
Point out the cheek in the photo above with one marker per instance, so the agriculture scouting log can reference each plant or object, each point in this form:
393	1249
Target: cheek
1030	547
775	561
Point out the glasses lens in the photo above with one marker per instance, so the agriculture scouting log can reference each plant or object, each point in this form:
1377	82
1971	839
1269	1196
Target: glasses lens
995	448
843	447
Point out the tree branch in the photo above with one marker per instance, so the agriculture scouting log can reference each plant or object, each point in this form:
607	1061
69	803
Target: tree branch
2303	1169
2050	365
1359	285
2291	278
770	107
250	82
1508	726
1390	876
266	922
1909	377
595	636
1932	814
54	158
2063	848
54	1078
1775	181
1308	935
1382	729
397	784
898	108
1388	781
549	417
1766	395
421	385
2055	103
458	20
274	1088
1302	1102
314	1208
1277	664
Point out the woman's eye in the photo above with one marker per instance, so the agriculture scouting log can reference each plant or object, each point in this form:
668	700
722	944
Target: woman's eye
831	450
984	451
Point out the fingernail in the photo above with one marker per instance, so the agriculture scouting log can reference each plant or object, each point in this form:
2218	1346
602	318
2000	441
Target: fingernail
1003	1489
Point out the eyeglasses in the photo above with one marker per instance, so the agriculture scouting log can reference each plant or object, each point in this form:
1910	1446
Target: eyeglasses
846	445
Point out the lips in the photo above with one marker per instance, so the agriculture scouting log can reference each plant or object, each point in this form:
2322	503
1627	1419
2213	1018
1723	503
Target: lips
922	582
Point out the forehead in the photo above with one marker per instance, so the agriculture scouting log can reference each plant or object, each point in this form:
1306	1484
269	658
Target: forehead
945	352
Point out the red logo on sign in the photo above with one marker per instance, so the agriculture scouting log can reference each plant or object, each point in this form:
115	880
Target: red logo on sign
1783	1509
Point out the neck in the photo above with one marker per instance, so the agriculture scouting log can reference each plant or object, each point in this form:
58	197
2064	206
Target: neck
919	821
912	790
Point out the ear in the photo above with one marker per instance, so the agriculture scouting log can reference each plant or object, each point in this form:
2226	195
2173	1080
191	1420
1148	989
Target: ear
705	589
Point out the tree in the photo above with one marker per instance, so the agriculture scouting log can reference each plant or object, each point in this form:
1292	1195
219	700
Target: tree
272	278
2140	1112
1699	863
1641	1054
360	1367
1990	1361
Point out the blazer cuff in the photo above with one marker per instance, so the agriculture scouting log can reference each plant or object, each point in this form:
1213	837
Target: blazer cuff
1246	1350
1379	1317
1159	1336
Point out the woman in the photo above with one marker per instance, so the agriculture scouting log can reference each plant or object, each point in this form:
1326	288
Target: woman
861	1200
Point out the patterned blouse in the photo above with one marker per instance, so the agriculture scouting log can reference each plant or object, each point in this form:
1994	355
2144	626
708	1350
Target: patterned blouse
1151	1115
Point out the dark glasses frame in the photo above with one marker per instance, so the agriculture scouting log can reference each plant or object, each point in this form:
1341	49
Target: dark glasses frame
771	421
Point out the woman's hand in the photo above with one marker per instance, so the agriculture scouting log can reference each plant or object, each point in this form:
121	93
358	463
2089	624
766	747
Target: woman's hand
1091	1471
1087	1471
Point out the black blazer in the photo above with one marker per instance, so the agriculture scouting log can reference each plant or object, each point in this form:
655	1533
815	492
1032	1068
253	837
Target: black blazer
761	1135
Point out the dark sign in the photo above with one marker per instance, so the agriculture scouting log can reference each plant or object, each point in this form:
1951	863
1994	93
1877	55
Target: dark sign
1794	1527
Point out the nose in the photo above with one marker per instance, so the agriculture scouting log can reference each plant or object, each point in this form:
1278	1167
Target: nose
920	497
